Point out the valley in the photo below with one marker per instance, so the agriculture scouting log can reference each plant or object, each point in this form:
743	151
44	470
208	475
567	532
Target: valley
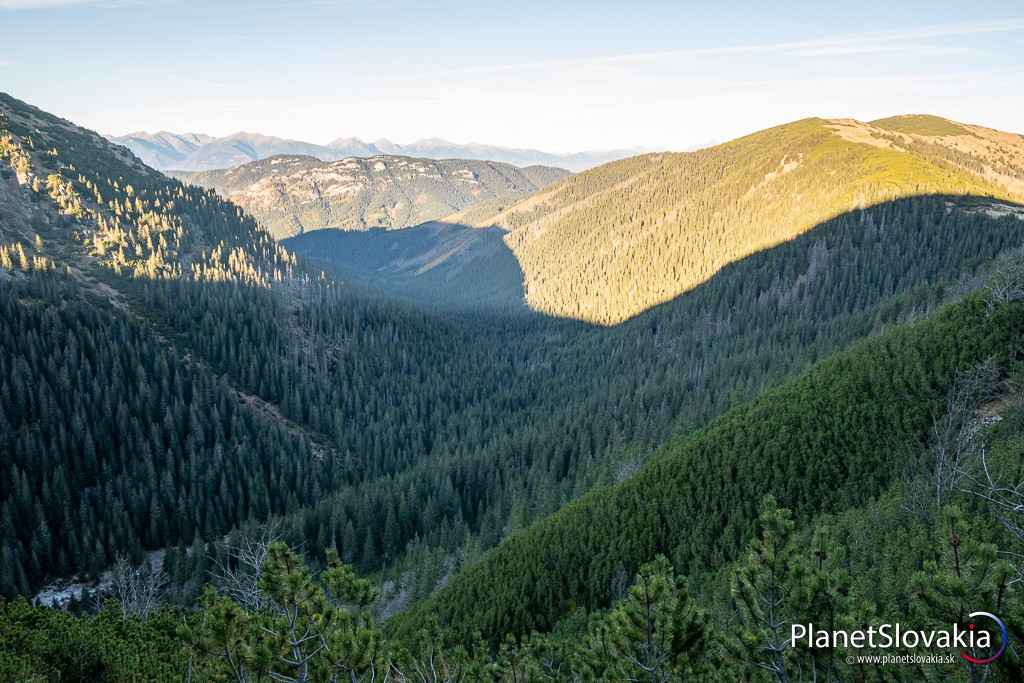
605	245
486	432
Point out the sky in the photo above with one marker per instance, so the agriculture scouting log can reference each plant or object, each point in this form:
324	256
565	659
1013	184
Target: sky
558	75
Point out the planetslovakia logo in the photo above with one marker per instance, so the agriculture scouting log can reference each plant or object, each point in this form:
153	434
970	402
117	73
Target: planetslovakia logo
894	636
1002	641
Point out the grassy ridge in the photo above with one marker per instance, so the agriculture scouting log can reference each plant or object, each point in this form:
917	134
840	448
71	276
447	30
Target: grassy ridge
921	124
607	244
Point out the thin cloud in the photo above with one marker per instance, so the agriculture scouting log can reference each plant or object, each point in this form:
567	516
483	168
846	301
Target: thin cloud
14	5
909	48
862	43
37	4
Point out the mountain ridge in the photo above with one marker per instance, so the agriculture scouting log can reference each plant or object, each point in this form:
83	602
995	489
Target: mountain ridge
606	244
292	194
165	150
610	242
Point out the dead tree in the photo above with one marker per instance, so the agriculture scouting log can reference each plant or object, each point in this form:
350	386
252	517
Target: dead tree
957	433
138	591
1006	282
237	572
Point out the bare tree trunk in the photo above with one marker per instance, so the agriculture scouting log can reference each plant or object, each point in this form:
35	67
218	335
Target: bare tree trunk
138	591
238	574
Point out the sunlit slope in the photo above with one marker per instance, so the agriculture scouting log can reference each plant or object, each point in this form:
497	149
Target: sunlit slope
73	197
995	155
607	244
292	194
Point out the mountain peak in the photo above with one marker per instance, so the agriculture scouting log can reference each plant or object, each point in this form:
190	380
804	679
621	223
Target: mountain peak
346	141
611	209
921	124
436	141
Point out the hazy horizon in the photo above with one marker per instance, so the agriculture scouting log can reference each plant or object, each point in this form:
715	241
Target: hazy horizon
371	141
563	79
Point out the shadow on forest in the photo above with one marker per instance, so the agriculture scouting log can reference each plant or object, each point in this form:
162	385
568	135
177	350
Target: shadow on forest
453	267
444	266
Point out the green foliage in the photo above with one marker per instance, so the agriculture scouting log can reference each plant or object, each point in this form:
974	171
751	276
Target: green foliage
112	445
827	441
313	629
762	587
963	573
133	219
40	644
174	377
781	582
656	633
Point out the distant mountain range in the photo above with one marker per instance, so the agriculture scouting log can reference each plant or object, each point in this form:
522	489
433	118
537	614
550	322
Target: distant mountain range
197	152
293	194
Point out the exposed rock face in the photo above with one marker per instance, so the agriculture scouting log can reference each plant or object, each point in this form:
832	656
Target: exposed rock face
296	194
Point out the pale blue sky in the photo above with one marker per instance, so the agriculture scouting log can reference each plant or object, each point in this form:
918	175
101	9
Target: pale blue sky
560	75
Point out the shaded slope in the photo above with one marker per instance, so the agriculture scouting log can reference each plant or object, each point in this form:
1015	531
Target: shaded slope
588	404
114	440
437	265
826	441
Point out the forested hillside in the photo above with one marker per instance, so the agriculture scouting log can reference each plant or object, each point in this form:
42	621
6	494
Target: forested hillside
174	380
457	431
438	266
826	442
685	553
98	204
614	241
535	429
292	194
